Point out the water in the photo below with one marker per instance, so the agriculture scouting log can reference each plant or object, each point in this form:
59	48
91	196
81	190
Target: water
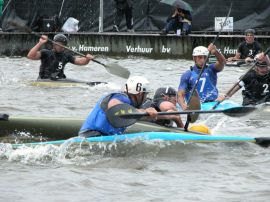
138	171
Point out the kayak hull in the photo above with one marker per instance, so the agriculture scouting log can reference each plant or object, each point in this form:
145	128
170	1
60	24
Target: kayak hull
64	83
148	136
63	128
226	104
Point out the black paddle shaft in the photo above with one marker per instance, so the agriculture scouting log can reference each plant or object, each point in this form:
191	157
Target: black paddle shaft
123	115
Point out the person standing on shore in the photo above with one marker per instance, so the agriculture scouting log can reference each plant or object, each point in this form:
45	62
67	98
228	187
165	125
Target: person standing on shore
123	7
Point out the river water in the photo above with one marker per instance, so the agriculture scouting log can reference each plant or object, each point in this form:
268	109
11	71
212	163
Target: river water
139	171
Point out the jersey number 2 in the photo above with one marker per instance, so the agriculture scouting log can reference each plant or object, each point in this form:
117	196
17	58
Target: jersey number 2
265	86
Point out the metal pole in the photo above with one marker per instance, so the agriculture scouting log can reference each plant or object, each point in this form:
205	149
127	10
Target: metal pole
101	16
60	13
6	6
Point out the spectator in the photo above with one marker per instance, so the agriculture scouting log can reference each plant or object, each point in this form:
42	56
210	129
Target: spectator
248	48
179	19
123	7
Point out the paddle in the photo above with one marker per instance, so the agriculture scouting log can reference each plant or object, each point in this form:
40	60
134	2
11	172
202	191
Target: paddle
238	63
237	83
112	68
123	115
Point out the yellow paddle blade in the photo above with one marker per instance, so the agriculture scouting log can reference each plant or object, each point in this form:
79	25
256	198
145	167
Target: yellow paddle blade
201	128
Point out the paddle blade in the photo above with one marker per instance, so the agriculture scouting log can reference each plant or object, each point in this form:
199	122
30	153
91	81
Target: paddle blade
117	70
194	104
114	115
263	141
238	111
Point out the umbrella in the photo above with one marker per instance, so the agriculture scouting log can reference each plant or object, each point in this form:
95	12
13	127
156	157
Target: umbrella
181	4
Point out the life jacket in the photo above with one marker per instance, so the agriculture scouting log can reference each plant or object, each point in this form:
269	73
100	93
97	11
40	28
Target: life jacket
206	86
97	120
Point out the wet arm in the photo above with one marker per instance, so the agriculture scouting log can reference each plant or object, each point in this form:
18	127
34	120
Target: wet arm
83	60
181	99
169	107
34	53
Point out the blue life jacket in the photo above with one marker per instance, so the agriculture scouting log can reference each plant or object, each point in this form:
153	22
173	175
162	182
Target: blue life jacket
97	120
207	84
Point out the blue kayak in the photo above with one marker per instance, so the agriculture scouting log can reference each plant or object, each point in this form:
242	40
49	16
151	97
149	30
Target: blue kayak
184	137
226	104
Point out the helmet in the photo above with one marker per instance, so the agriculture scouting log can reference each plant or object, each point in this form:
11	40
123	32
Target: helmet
200	50
160	92
249	31
137	84
60	38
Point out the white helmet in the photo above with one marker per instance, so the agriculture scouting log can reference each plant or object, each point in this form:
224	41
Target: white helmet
200	50
137	84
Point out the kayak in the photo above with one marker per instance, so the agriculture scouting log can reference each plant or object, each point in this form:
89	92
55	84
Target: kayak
62	127
64	83
156	136
226	104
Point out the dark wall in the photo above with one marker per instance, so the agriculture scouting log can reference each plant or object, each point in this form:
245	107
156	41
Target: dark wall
149	15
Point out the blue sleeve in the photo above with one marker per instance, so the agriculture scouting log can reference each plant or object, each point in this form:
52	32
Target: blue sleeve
121	98
213	68
184	81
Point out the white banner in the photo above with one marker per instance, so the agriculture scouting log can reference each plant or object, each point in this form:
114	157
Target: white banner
228	25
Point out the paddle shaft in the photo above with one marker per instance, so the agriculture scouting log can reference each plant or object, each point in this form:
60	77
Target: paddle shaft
237	83
125	110
61	45
139	115
203	67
